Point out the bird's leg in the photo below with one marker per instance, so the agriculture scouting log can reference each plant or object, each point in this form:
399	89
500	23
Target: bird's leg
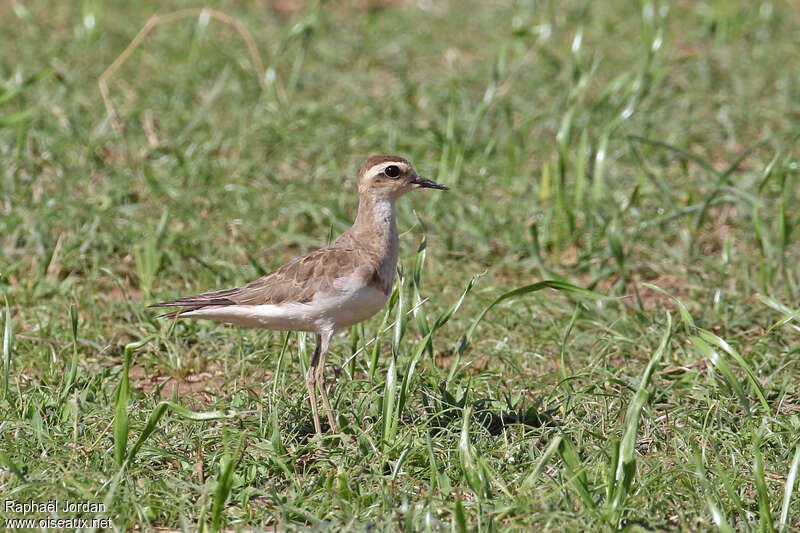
312	395
320	378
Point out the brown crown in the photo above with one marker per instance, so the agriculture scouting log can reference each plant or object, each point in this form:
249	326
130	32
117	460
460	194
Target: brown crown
378	159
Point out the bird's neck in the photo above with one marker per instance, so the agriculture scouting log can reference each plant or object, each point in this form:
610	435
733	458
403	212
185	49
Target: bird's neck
375	223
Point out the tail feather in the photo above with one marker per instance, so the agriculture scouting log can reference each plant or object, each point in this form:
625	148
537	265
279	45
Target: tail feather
193	303
177	313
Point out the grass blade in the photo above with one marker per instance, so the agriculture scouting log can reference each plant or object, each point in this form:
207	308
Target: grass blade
6	461
390	417
419	314
598	174
438	478
474	475
275	439
388	404
445	316
419	261
551	450
150	426
121	403
400	321
716	513
563	354
224	486
8	346
147	258
459	516
685	316
576	473
423	344
73	368
158	412
764	512
400	461
791	317
520	291
721	364
791	480
626	465
751	377
685	154
376	347
121	419
580	169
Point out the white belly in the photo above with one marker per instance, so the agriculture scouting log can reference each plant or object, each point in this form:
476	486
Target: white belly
344	306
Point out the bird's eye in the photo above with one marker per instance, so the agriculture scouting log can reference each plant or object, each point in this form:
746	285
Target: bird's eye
391	171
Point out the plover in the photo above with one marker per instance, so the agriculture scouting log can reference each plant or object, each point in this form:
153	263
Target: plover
331	288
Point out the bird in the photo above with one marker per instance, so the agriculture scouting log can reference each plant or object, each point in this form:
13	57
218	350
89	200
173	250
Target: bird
330	288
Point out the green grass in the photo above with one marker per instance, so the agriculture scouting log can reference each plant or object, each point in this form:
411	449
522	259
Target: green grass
646	152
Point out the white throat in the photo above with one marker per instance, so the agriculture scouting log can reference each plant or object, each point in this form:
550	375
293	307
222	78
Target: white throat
375	225
383	210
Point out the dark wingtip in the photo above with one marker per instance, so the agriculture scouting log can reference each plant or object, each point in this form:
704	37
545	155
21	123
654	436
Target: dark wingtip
171	303
177	313
167	303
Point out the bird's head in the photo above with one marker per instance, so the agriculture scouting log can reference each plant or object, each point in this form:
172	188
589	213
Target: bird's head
391	176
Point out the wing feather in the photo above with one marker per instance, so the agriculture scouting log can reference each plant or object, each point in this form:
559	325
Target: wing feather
296	281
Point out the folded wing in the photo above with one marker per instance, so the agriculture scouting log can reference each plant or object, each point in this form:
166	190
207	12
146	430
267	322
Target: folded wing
297	281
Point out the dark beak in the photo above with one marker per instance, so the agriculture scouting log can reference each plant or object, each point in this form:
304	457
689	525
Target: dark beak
429	184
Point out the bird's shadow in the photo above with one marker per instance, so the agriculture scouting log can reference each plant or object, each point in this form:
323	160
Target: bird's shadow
443	409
